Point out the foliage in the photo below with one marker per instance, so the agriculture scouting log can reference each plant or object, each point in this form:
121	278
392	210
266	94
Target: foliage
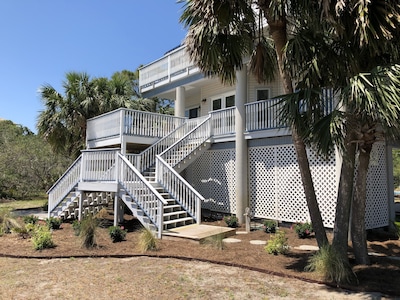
24	204
331	265
25	230
76	226
232	221
117	233
31	219
147	241
277	244
7	222
215	241
54	223
396	167
88	231
396	226
270	226
42	238
28	165
303	230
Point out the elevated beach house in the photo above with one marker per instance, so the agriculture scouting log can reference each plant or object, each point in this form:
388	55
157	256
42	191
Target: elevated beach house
223	151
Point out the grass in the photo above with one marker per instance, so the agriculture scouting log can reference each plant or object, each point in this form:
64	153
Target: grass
24	204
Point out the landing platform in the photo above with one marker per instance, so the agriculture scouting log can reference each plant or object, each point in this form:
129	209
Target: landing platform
198	233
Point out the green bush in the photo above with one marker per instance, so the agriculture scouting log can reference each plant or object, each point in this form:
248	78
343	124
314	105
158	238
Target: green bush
331	265
270	226
303	230
277	244
42	238
76	226
54	223
117	234
31	219
147	241
215	241
231	221
7	222
88	231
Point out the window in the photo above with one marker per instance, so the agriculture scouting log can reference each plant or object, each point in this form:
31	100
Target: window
192	113
263	94
223	102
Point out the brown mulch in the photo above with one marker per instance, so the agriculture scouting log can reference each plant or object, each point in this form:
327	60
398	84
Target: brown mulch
383	275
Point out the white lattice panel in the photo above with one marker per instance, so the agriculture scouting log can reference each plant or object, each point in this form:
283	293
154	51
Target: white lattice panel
376	211
263	190
276	189
213	176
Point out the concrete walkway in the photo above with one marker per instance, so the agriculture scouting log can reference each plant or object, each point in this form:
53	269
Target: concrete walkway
197	232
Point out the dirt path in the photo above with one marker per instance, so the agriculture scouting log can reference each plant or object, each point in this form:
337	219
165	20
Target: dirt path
150	278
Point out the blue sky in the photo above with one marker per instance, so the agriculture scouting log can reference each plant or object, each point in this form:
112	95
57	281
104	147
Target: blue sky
41	40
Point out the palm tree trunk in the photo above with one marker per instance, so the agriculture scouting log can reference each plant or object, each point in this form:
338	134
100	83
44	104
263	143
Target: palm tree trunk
345	195
278	31
358	231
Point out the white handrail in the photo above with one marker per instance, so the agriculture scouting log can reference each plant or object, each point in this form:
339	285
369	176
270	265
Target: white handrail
141	191
64	184
263	115
223	121
190	142
179	188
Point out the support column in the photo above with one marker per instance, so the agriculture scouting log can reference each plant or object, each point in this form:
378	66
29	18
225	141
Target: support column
180	102
242	187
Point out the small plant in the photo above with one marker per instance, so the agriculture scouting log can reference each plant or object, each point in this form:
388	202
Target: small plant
331	266
88	231
42	238
270	226
117	234
215	241
76	226
277	244
303	230
147	241
26	230
7	222
231	221
396	226
31	219
54	223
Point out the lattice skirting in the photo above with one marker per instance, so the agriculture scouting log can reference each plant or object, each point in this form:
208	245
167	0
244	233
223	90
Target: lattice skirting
275	186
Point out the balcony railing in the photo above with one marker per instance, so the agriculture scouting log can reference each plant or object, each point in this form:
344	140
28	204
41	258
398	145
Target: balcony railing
171	66
131	122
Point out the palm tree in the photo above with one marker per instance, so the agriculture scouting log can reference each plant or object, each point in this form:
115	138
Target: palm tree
221	33
359	41
63	121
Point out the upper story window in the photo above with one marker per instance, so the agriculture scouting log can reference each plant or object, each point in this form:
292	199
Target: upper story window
224	101
263	94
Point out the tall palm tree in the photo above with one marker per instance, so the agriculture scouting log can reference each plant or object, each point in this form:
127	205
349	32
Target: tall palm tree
360	41
221	33
63	121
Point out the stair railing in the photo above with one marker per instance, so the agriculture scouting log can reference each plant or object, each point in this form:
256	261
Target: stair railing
189	143
147	158
179	189
175	184
142	192
65	184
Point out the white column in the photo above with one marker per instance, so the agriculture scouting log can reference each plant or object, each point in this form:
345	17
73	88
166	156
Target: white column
180	102
242	198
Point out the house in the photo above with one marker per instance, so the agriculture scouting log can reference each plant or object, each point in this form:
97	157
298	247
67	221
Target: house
223	151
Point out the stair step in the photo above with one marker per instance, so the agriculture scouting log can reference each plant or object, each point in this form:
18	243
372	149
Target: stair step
177	220
175	213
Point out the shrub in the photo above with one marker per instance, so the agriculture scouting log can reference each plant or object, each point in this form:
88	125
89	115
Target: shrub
117	234
215	241
277	244
7	222
54	223
42	238
88	231
26	230
147	241
231	221
303	230
31	219
331	265
270	226
76	226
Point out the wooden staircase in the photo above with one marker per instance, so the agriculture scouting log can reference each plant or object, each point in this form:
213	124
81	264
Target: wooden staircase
161	199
